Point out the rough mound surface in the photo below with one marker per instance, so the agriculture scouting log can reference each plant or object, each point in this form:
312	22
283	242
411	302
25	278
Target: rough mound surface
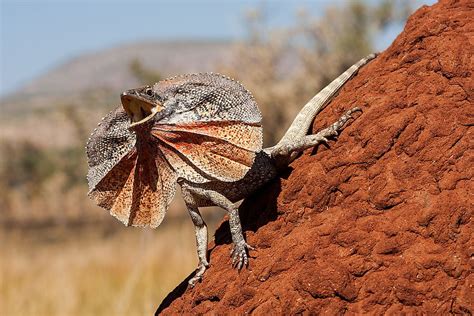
382	220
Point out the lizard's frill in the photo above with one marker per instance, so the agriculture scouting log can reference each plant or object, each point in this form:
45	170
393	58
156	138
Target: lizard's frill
128	175
138	190
110	141
206	151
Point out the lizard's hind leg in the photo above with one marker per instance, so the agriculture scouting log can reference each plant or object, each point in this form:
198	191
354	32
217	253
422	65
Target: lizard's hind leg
295	138
305	117
201	234
283	153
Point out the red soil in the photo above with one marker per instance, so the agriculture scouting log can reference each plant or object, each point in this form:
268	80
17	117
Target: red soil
380	222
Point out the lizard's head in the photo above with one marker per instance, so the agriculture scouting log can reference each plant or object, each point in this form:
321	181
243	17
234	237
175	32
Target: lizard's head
141	104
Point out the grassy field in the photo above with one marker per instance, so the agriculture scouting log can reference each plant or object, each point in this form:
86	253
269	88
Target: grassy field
103	269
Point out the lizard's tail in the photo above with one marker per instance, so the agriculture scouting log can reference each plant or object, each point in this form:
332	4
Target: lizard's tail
299	127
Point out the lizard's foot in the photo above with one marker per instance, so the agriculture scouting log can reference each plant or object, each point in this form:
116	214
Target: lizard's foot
337	126
202	267
330	131
239	254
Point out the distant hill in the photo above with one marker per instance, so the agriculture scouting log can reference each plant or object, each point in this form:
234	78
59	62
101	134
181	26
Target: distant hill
109	69
91	84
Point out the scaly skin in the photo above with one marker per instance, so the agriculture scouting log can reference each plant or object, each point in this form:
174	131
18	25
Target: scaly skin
202	132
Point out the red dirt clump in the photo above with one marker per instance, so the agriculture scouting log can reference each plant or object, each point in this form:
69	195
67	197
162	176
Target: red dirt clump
380	222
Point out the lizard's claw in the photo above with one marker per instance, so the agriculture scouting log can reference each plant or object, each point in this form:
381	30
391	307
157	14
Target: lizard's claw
199	273
239	255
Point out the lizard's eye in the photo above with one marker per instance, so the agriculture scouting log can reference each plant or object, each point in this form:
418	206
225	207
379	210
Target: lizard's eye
149	92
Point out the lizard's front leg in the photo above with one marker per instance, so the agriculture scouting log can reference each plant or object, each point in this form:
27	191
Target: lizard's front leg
239	252
201	234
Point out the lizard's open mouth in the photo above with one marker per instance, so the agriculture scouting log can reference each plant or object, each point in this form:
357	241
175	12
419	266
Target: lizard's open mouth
139	109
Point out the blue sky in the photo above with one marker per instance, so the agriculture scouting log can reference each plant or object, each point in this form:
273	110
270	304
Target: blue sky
38	35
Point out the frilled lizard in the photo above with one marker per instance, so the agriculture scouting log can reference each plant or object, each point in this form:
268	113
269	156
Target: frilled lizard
204	133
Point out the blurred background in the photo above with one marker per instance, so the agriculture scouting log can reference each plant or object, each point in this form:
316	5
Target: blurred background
63	67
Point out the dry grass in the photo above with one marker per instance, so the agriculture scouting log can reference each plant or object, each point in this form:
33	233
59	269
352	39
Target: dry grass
94	271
